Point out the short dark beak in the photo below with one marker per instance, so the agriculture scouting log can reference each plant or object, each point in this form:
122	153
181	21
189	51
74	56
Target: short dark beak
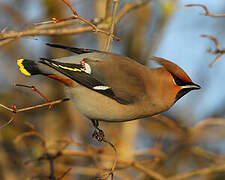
195	86
191	86
187	88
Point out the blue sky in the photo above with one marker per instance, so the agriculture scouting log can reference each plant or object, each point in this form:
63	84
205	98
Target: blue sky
182	44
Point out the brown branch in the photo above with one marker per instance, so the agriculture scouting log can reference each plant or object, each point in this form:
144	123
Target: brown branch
216	158
206	13
12	35
204	171
212	38
108	9
57	28
6	41
31	133
215	60
136	164
51	25
64	174
68	4
114	163
115	6
14	110
41	105
128	7
35	90
40	32
76	16
6	124
218	51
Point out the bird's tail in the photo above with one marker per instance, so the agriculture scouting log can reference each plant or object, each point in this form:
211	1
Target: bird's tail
29	67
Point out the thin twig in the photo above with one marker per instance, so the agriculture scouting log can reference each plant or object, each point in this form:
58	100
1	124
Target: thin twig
212	38
215	60
56	28
6	41
115	160
50	25
135	164
218	50
204	171
108	43
206	13
6	124
68	4
35	90
128	7
76	16
64	174
35	31
31	133
42	105
14	110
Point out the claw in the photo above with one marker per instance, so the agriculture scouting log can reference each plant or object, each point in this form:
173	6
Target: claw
98	134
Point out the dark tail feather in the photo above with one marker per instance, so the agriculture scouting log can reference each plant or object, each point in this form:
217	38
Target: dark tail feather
28	67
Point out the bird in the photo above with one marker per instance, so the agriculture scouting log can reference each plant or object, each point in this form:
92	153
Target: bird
110	87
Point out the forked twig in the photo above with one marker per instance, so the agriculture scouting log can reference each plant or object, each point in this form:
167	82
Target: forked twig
218	51
35	90
108	174
76	16
14	110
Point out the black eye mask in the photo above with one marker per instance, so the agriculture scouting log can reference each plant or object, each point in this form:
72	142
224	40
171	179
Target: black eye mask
183	91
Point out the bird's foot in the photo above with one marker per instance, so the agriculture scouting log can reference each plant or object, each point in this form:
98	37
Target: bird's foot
98	134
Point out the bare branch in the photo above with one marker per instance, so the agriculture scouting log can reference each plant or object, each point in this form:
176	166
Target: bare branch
204	171
128	7
108	9
206	13
57	28
6	124
115	160
76	16
68	4
218	50
35	90
115	6
212	38
31	133
136	164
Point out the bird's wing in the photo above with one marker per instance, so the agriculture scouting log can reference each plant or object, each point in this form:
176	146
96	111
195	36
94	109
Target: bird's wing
109	74
72	49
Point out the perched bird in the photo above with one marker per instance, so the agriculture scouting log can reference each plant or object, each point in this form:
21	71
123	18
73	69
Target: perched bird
113	88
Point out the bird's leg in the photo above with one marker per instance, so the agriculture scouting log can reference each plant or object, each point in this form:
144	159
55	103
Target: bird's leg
98	133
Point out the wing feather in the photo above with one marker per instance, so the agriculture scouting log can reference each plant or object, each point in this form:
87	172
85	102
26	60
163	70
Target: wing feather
78	74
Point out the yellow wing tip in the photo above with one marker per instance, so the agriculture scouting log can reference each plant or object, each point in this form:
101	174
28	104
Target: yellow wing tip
22	68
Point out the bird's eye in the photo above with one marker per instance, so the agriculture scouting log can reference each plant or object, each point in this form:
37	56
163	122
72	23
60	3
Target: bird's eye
178	81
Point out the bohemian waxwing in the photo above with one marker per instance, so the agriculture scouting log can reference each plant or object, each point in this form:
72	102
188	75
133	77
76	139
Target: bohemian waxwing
113	88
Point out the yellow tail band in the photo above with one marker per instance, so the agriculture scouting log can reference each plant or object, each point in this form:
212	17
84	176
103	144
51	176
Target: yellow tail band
22	68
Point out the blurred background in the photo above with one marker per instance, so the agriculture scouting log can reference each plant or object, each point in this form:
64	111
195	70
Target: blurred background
190	136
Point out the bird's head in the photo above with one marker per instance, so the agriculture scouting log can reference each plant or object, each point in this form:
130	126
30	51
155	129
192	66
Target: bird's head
175	82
